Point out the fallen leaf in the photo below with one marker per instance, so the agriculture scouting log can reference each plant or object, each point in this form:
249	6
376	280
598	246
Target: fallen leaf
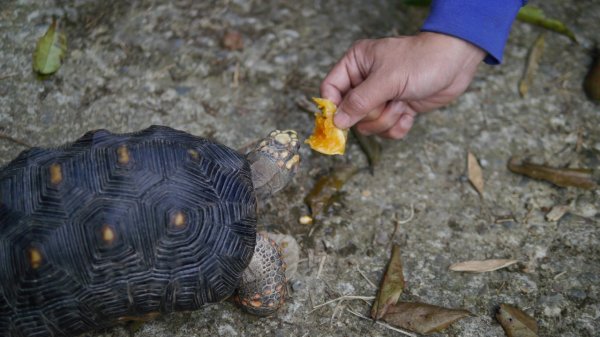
535	16
232	40
391	286
422	318
482	266
591	84
576	177
533	61
515	322
50	50
322	195
475	173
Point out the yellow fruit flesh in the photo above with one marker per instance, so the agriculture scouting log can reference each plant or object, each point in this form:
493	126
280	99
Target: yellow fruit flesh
326	137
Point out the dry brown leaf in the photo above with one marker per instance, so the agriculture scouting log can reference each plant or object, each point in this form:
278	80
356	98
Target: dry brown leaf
391	286
475	173
422	318
515	322
482	266
577	177
532	65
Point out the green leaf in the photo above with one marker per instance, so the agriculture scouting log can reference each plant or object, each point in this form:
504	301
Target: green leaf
535	16
50	50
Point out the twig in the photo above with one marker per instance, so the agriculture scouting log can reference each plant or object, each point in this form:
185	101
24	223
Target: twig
14	140
3	77
366	278
385	325
410	217
337	308
343	298
236	76
559	275
321	264
402	222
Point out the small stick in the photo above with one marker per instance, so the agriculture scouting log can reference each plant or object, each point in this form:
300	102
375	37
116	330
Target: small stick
366	278
3	77
337	308
343	298
410	217
14	140
559	275
321	264
401	222
236	76
385	325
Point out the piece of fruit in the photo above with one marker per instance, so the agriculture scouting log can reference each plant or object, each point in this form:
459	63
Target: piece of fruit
326	137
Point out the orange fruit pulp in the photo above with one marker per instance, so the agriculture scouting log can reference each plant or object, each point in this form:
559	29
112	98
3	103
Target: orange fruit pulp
326	137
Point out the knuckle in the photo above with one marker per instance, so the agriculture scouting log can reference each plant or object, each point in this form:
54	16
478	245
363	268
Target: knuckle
396	132
356	103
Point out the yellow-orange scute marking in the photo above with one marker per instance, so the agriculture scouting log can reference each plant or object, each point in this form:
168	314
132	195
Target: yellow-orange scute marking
194	154
123	155
178	220
55	174
35	257
108	234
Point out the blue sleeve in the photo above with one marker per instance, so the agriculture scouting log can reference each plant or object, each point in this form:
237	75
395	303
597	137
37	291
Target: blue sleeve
484	23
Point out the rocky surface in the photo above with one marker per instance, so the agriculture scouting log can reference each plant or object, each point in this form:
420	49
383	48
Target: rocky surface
143	62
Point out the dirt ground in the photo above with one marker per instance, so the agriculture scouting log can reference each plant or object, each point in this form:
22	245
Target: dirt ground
136	63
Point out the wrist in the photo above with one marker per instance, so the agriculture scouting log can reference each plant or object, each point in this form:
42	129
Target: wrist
454	48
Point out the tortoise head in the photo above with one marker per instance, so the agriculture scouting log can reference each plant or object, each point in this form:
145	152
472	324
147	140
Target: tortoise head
274	160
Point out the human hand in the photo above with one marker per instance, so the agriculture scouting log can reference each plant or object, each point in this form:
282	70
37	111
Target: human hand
380	85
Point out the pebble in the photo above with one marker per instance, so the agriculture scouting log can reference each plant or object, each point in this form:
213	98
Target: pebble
552	305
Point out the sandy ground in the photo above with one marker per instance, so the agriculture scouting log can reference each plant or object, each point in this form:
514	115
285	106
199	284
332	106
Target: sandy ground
139	63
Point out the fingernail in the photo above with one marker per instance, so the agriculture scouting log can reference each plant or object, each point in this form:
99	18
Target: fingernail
341	120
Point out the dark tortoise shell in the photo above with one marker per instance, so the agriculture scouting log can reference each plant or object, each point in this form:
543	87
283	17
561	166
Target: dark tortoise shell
118	226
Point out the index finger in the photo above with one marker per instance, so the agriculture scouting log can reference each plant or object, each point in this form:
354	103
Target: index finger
344	76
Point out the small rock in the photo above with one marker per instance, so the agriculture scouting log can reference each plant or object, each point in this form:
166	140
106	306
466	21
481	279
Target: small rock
576	294
297	285
552	305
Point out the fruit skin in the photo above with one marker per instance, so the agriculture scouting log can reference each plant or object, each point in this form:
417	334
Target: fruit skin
326	137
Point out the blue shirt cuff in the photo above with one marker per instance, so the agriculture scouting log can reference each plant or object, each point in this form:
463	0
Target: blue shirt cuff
484	23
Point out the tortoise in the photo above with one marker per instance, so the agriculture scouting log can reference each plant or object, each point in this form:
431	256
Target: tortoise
119	227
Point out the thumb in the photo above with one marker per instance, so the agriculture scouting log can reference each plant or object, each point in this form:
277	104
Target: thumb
358	102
